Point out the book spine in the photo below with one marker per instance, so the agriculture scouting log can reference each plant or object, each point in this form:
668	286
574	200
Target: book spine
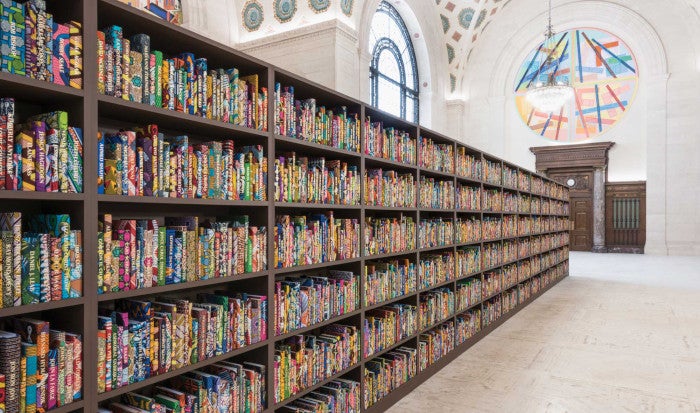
76	54
101	65
74	164
12	19
28	144
159	78
39	132
61	51
124	61
76	273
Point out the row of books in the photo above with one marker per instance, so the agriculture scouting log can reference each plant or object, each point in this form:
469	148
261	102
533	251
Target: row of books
36	46
389	279
389	143
316	180
511	202
469	165
435	344
385	326
386	373
43	154
492	172
547	242
40	368
468	260
435	268
437	156
492	227
222	387
41	259
491	255
468	324
491	311
314	239
492	284
310	122
435	232
130	69
435	193
389	235
338	396
304	360
307	300
510	226
510	300
389	188
509	274
142	162
435	305
143	253
468	229
468	293
142	339
492	200
551	206
546	188
523	181
538	224
510	177
468	197
524	270
510	250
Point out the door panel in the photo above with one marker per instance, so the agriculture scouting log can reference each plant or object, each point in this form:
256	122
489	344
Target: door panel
582	229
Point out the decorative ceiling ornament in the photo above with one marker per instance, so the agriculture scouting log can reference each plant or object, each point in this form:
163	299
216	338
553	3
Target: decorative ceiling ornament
252	15
285	10
551	94
319	6
346	6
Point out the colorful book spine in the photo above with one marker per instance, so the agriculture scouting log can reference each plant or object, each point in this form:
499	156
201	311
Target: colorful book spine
75	30
12	18
61	54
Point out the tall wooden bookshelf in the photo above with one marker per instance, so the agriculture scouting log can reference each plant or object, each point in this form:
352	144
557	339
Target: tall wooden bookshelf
95	112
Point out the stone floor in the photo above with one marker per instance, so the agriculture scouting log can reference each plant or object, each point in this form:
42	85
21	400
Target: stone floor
622	334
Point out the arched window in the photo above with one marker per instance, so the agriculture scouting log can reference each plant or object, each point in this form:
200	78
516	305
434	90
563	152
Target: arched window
393	73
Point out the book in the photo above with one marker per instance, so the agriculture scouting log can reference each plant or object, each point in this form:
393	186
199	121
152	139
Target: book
12	19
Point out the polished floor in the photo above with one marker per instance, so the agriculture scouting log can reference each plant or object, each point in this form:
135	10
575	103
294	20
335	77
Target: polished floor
621	334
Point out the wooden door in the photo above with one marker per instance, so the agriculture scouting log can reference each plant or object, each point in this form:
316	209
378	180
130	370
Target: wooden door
580	183
582	224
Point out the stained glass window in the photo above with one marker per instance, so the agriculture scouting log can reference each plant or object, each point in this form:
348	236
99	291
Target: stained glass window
604	75
393	74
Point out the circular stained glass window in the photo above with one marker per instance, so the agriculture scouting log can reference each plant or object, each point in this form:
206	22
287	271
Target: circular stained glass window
604	75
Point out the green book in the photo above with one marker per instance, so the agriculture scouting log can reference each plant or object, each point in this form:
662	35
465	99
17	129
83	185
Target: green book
161	255
158	79
31	274
169	403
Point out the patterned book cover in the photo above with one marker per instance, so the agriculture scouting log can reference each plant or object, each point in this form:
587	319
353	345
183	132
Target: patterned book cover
2	393
52	380
76	341
75	54
100	163
45	267
47	53
69	372
114	166
12	18
158	79
135	69
53	140
151	80
169	84
32	36
130	167
12	222
141	43
76	271
61	54
109	68
27	142
101	69
57	340
75	159
114	39
39	133
7	114
200	94
125	60
58	121
30	352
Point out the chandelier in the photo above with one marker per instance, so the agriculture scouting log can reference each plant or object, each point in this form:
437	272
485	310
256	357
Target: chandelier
550	95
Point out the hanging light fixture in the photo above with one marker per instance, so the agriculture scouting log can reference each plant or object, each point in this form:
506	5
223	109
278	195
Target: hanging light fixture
551	95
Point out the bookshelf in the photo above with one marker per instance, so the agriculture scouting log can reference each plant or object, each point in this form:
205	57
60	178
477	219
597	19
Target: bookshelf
94	112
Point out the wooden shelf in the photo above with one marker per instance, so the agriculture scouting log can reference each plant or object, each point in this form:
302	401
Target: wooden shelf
162	377
98	112
35	308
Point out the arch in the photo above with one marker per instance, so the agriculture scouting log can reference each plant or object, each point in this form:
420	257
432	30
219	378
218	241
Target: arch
400	51
420	18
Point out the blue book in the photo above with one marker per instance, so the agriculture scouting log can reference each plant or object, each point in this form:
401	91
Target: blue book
100	163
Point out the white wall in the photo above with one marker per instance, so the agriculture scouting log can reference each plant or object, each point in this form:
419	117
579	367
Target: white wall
657	140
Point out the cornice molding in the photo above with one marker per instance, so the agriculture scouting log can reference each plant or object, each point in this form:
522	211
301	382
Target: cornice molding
594	155
333	27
